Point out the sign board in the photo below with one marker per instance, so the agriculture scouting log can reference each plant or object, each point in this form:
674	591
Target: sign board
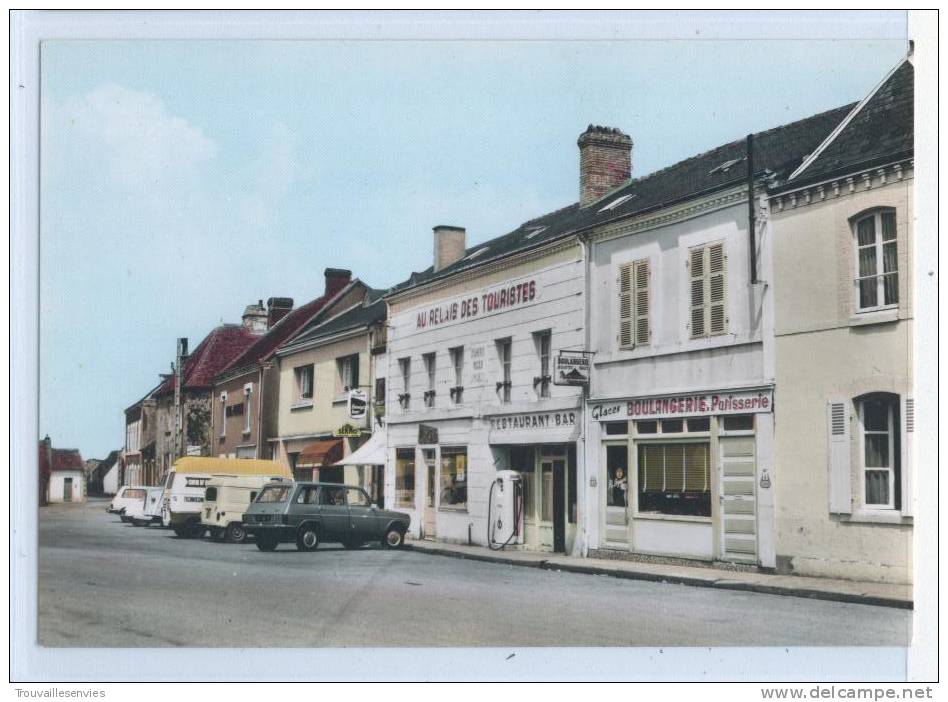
489	301
347	431
358	405
572	368
427	434
696	405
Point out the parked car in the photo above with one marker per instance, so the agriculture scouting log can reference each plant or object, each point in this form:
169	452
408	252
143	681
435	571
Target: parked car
188	479
136	514
127	497
155	511
226	499
307	513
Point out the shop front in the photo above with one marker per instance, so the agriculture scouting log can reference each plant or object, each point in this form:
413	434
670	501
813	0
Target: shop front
687	475
541	448
316	460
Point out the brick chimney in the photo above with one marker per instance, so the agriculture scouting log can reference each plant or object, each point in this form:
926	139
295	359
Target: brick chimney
336	280
605	162
277	309
449	245
255	318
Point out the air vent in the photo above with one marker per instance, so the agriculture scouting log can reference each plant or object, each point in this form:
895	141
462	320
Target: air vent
837	419
910	414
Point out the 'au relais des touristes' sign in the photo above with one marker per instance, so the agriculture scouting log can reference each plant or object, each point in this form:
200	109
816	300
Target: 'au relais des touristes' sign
693	405
491	301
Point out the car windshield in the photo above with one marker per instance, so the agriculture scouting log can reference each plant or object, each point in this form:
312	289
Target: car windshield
274	493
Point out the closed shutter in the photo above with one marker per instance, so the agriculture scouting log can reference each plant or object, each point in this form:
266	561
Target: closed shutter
642	331
907	465
355	371
626	316
840	464
698	294
717	287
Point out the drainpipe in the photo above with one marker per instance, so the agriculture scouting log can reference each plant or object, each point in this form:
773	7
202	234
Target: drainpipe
583	518
751	214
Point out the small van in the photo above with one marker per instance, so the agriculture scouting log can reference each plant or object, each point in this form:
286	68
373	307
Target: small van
225	501
155	511
187	481
137	514
127	498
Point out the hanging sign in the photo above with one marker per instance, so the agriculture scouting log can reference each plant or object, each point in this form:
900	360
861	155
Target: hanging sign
358	405
572	368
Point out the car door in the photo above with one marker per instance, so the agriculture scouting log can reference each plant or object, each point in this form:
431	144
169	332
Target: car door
363	518
334	512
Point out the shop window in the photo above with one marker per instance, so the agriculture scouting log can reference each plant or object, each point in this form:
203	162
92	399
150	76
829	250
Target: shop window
617	428
504	359
880	467
617	476
541	383
646	426
708	269
405	477
738	422
634	296
429	361
675	478
304	382
877	261
453	478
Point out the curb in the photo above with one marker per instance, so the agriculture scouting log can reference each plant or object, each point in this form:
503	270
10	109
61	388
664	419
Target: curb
723	584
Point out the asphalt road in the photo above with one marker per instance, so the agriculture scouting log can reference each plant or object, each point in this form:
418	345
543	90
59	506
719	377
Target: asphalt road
103	583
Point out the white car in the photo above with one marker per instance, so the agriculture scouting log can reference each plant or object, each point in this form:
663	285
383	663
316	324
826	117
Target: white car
137	514
128	497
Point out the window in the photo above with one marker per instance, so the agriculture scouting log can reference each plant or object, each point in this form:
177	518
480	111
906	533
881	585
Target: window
616	428
210	495
275	493
457	363
405	477
879	455
304	382
503	357
454	478
357	498
633	304
541	383
404	365
223	414
332	496
307	495
877	261
429	361
248	395
380	390
675	478
738	422
708	266
617	476
348	367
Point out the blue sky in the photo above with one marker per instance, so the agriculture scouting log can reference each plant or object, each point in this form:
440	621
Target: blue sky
182	180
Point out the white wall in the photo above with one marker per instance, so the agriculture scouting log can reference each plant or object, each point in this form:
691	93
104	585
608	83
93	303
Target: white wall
57	482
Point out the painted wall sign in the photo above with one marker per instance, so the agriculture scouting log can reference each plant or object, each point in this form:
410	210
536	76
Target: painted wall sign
427	434
536	420
706	404
478	364
482	304
572	368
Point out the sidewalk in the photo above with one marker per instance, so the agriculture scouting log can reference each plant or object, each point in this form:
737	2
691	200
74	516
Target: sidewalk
882	594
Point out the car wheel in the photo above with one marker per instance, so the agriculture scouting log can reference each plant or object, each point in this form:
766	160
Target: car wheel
307	538
265	544
180	531
236	534
394	538
135	522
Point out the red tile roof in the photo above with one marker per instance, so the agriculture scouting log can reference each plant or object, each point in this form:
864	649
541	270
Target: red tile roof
67	459
211	356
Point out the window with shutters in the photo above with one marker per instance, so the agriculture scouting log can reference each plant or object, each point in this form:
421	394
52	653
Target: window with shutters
634	297
877	261
707	268
879	450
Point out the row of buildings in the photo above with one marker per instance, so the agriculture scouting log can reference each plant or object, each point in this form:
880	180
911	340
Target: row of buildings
712	362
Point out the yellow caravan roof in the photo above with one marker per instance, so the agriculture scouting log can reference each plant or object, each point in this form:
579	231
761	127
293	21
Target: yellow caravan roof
231	466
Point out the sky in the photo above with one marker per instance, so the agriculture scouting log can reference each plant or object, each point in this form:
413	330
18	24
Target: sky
184	180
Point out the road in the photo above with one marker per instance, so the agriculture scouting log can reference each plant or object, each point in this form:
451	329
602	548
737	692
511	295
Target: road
103	583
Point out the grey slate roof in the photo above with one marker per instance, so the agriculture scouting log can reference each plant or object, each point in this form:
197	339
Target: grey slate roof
880	132
371	310
779	150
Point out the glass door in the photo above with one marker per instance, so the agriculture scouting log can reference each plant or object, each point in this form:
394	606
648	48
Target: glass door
431	482
617	494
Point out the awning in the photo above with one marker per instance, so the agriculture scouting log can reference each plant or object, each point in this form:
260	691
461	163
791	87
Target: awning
371	453
320	453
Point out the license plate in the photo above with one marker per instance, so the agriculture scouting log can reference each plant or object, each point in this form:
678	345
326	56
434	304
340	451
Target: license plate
194	499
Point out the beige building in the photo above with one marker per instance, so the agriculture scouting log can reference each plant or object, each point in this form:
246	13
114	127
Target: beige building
842	243
324	379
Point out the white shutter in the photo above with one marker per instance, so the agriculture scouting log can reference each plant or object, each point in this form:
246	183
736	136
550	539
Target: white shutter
699	295
840	463
642	331
717	289
907	466
626	315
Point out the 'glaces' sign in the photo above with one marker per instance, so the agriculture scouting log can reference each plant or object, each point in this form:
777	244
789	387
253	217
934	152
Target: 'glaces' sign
479	305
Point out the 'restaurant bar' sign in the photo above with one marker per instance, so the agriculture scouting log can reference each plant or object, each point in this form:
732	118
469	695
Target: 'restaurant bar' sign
704	404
